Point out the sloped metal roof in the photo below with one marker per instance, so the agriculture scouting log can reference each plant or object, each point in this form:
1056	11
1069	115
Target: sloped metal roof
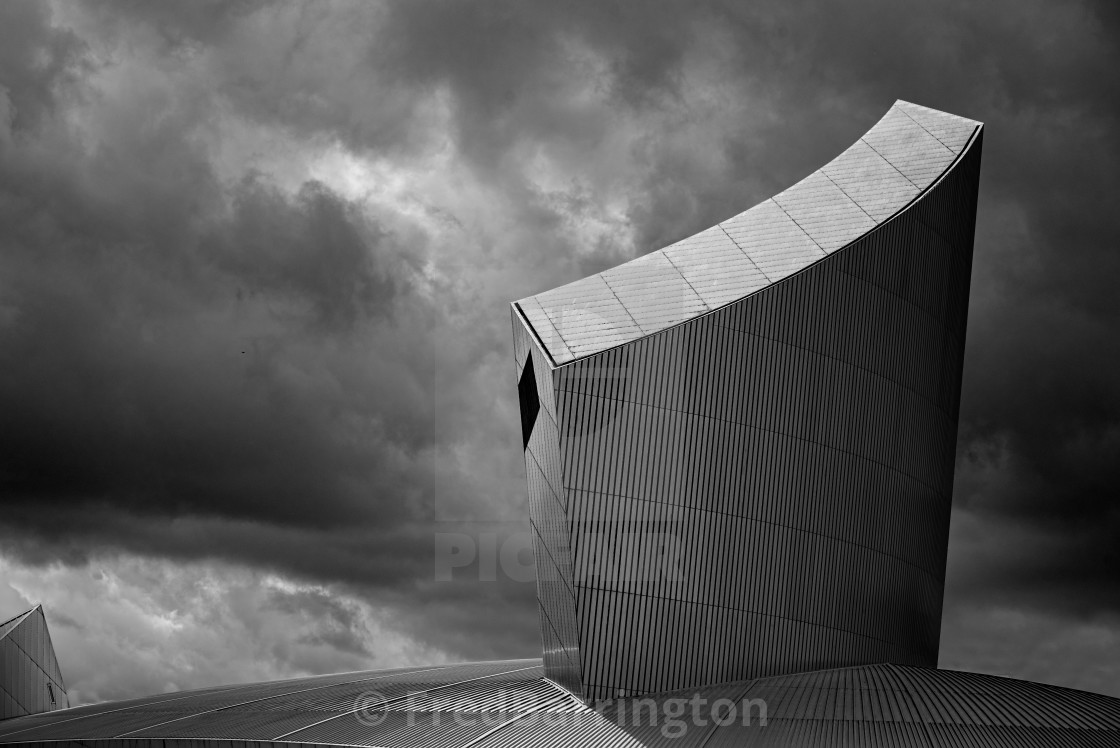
510	704
884	171
30	678
11	623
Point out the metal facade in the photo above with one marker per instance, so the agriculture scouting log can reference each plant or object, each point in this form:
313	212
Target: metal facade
764	486
898	159
511	705
754	484
30	679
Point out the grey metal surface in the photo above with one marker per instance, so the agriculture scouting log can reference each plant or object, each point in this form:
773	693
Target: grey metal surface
793	448
903	154
876	705
30	679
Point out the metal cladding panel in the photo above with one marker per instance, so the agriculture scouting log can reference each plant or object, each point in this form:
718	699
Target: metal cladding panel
948	697
544	328
526	348
909	147
106	725
405	729
30	679
540	730
875	705
709	260
73	714
952	132
824	212
903	154
588	316
654	292
333	698
798	733
766	488
878	188
551	544
900	694
11	623
532	692
773	241
661	721
251	711
233	724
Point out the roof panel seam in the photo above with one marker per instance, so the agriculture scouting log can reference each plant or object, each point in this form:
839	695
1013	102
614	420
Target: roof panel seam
525	318
931	573
601	277
908	179
255	701
716	725
879	225
28	655
924	128
572	356
798	225
850	198
690	286
745	254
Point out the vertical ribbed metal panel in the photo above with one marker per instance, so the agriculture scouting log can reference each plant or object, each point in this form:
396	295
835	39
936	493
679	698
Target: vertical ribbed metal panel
495	705
765	488
30	679
547	517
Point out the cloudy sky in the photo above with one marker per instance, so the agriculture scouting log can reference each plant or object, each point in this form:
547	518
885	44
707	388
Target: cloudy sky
255	266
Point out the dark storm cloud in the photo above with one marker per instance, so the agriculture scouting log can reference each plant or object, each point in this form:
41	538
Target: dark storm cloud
196	360
36	59
173	350
317	253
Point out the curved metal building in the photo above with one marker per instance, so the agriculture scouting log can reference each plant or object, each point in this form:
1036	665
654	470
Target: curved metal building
740	448
511	705
739	452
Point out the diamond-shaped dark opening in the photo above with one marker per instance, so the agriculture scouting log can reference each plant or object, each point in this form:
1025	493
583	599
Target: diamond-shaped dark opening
530	401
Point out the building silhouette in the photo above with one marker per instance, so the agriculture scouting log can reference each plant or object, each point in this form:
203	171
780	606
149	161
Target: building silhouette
740	448
30	679
739	453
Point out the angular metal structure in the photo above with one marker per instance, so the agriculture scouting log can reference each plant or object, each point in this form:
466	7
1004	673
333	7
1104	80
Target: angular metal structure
740	448
511	705
30	679
756	482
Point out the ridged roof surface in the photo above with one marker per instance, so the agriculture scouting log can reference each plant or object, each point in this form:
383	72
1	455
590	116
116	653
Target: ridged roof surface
30	678
500	704
11	623
883	172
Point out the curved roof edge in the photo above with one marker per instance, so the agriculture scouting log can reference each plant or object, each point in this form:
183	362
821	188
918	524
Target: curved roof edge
886	170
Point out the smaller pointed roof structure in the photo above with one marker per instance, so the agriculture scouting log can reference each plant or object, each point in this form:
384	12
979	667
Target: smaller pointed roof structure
30	678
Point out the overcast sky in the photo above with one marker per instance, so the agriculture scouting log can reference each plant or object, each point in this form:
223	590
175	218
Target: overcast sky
255	266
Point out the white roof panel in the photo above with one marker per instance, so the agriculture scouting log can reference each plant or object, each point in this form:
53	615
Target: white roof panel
952	131
870	181
882	173
715	267
909	148
654	292
773	240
